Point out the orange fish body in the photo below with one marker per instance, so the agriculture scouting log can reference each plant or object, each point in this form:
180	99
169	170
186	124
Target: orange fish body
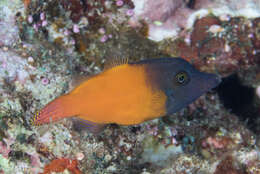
119	95
127	94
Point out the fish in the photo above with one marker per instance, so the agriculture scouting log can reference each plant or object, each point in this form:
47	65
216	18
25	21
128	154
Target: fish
130	93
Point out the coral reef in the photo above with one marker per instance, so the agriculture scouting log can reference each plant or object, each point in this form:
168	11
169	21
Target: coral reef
45	46
173	17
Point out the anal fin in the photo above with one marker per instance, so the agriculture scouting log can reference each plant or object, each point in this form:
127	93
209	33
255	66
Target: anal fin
81	124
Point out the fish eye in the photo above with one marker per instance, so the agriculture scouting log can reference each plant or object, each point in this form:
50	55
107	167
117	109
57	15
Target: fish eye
182	78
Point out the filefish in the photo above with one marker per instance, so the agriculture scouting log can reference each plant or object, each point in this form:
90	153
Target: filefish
130	93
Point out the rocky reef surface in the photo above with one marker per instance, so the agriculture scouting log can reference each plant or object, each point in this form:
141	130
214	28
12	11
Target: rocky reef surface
46	44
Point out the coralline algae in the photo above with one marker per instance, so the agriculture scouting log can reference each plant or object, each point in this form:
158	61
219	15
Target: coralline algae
18	71
9	35
172	16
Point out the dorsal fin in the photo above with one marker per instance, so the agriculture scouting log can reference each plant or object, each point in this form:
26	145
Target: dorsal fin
77	80
110	63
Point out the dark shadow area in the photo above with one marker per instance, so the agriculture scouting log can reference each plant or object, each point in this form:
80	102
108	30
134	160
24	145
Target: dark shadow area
190	4
239	99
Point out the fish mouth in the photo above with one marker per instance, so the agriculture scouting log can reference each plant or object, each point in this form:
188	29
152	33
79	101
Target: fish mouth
216	80
209	81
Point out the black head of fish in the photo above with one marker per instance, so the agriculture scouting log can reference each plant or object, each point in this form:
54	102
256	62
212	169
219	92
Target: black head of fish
180	81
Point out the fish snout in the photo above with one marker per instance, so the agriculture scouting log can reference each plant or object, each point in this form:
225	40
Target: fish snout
208	81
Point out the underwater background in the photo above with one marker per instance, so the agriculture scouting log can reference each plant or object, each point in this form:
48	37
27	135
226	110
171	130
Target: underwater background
46	45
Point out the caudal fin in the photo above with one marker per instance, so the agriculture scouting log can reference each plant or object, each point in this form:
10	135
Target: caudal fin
53	111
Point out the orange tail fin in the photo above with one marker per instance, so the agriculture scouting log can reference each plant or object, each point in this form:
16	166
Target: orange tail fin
54	111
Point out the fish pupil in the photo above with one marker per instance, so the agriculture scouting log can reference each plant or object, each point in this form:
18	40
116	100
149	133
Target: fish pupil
182	78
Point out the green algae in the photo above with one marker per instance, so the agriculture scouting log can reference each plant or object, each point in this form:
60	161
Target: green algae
157	153
21	138
15	156
6	165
